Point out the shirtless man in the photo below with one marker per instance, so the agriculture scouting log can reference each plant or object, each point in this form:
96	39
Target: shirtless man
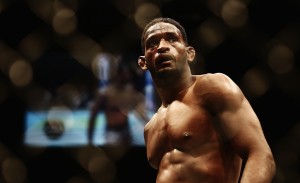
205	129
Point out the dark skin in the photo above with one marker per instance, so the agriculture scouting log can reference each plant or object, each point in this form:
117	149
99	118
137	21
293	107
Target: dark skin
205	127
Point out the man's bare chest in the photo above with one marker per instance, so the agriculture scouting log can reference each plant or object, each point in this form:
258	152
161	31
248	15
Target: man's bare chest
182	125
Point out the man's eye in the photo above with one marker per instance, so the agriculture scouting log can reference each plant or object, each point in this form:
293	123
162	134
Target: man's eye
153	44
172	40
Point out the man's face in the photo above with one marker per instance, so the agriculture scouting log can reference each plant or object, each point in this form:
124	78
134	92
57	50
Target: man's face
165	49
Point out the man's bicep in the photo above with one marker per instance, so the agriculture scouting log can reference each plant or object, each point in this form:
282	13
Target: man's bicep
242	128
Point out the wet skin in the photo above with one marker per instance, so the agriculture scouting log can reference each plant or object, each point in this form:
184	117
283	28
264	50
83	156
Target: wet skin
205	125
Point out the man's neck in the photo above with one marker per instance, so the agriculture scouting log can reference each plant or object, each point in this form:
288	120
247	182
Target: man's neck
171	89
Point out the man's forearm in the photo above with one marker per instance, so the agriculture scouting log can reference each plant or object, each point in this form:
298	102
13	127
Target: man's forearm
259	169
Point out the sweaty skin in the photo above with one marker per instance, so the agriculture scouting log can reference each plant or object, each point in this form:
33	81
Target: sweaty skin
184	142
205	126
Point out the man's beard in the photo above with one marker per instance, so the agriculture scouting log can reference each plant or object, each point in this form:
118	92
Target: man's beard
165	73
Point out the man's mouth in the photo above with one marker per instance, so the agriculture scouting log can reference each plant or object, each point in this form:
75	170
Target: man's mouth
163	59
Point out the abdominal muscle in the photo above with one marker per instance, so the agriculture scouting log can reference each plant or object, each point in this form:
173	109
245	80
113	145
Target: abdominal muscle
180	167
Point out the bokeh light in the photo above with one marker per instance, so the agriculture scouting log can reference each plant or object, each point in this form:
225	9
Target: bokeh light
256	43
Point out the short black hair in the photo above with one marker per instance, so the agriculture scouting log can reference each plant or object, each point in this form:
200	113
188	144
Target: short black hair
166	20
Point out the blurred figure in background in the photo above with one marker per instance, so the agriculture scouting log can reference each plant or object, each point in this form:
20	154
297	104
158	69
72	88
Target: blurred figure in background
117	98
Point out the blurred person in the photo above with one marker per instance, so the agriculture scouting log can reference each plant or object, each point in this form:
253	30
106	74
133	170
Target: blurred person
205	129
117	99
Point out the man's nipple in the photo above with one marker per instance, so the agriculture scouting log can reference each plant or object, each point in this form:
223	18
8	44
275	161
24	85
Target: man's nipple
187	134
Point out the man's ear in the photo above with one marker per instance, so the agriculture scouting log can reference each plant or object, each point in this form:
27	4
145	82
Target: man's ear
191	53
142	63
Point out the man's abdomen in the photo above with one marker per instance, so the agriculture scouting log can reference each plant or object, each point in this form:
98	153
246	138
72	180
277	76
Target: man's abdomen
181	167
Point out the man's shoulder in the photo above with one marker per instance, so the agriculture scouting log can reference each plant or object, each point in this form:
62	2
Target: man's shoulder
149	124
213	76
215	84
214	79
217	88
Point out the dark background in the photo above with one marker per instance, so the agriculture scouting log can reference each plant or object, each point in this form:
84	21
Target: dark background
259	52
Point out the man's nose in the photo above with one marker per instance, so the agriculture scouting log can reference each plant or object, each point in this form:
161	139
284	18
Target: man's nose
163	46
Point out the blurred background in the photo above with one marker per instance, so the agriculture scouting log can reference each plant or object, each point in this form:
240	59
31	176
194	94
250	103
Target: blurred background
49	57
